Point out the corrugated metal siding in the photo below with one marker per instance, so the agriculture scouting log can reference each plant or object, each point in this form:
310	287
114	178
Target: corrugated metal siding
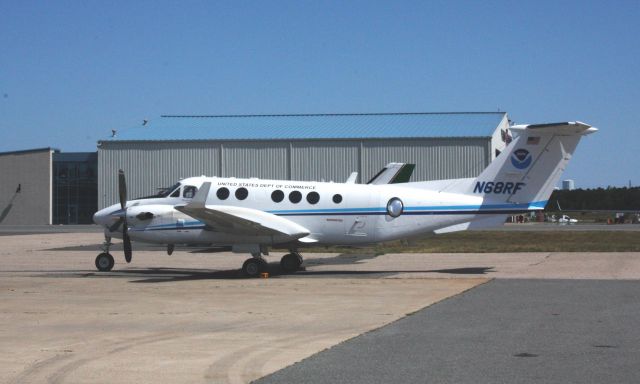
435	159
328	160
255	159
152	166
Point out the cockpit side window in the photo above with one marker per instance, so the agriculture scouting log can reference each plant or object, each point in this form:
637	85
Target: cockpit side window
189	192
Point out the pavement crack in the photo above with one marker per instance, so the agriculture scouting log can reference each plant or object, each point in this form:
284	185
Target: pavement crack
544	259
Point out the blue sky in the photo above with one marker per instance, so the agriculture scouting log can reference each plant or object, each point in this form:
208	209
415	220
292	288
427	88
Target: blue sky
72	71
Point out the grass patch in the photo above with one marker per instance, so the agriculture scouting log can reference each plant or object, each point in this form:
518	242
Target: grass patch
507	241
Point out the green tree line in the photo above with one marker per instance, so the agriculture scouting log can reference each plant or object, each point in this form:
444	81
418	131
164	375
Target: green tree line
610	198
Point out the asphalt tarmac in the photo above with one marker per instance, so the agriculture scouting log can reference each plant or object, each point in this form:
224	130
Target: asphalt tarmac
504	331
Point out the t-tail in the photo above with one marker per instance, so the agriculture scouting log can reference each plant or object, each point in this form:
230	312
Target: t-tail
527	171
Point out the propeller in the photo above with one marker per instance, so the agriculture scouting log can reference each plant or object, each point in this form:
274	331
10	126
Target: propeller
122	192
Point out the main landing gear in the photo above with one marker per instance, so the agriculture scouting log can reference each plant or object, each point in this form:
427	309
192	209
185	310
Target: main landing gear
104	261
291	262
253	267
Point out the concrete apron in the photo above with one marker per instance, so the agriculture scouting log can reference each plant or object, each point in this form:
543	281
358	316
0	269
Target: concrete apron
189	318
167	319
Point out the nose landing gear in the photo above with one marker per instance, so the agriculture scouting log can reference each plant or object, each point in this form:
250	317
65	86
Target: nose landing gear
104	261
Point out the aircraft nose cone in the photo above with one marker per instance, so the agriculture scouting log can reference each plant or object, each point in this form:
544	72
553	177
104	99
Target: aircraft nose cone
103	216
98	218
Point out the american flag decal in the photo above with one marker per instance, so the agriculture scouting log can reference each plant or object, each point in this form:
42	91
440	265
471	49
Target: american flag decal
533	140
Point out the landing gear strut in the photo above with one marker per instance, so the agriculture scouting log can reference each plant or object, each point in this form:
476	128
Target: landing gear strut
104	261
291	262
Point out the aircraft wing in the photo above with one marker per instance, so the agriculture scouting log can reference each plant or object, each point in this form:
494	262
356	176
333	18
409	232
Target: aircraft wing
239	220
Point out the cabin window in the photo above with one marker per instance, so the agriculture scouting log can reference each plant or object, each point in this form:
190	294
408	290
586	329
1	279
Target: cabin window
313	197
295	197
337	198
222	193
189	192
395	207
241	193
277	196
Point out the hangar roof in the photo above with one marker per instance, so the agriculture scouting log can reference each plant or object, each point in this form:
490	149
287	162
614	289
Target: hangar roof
26	151
317	126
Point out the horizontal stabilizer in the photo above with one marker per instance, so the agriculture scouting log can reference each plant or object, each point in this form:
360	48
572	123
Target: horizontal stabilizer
564	128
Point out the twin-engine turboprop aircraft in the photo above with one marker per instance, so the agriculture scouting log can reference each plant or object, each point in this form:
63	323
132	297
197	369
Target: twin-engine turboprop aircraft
254	215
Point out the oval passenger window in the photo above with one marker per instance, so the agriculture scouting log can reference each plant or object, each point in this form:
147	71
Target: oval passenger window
395	207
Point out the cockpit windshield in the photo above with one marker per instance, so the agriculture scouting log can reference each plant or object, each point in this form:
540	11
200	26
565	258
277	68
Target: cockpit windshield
167	191
163	192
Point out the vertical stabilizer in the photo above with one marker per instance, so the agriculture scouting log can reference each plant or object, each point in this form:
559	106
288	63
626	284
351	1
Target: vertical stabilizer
526	172
393	173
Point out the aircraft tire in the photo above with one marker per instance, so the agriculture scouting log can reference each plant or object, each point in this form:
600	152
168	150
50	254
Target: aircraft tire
290	262
104	262
254	266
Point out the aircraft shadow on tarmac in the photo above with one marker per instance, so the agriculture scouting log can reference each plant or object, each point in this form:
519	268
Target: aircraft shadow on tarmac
165	275
161	275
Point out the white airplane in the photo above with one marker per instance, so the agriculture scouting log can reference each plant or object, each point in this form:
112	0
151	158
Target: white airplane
254	215
564	219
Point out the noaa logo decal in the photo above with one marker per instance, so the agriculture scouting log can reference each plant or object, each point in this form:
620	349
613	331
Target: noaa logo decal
521	158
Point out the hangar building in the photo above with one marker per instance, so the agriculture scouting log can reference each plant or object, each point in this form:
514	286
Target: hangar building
45	186
297	147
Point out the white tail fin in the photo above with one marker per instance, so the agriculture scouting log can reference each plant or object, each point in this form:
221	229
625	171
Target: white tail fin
526	172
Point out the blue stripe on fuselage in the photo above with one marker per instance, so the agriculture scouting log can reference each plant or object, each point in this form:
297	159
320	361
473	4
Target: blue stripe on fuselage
488	209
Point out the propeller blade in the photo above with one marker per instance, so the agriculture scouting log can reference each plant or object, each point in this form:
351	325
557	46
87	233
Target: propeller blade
126	242
116	225
122	192
122	189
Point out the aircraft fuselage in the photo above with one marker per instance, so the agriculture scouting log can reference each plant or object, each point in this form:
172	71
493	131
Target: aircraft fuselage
334	213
